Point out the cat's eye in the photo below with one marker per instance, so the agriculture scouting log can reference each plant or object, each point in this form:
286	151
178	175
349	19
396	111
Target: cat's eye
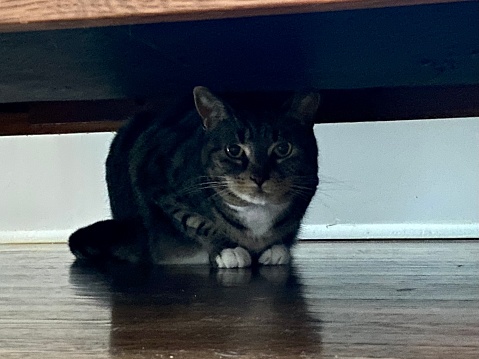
234	151
283	149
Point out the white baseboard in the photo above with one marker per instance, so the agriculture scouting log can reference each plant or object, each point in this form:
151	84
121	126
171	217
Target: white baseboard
390	231
50	236
319	232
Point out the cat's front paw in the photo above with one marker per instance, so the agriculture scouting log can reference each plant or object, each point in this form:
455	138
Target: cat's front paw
276	255
233	258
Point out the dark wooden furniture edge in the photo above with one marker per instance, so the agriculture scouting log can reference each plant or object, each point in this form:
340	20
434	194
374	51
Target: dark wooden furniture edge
38	15
378	104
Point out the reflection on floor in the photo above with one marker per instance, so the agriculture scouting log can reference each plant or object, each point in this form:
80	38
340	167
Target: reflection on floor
338	300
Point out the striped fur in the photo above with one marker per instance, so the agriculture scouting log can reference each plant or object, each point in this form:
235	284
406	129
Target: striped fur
213	176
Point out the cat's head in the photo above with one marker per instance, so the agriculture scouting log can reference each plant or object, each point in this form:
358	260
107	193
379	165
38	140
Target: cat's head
256	155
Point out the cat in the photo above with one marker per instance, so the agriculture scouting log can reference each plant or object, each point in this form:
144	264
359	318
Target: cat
223	182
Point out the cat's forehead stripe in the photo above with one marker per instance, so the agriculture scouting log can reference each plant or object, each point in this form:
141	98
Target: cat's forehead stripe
241	135
254	133
275	135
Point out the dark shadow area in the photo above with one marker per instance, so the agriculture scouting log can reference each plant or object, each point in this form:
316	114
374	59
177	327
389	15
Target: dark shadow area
410	46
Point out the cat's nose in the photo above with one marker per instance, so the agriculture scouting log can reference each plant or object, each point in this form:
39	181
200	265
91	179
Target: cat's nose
258	179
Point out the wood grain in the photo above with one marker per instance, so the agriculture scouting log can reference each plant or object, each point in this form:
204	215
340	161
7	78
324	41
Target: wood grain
403	300
22	15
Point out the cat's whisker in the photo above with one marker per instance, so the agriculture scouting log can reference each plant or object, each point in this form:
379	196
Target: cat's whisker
301	191
336	184
302	196
219	193
304	181
322	193
202	187
294	185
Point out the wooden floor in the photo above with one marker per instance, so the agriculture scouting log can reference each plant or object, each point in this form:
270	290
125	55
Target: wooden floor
340	300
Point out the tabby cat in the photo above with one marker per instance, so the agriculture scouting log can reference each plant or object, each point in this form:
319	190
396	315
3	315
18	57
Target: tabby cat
220	182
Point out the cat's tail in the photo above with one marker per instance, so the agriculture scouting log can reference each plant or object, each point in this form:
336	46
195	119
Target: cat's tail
107	240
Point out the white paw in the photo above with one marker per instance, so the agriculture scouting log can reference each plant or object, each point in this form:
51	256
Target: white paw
276	255
233	258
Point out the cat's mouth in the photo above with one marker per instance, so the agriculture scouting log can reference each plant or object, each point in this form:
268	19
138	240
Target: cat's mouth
268	193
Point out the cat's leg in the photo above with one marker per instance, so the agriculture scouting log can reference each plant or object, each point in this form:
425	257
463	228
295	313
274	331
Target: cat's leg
278	254
108	240
223	252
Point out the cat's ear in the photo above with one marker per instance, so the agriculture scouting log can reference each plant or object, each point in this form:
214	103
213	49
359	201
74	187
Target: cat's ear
211	109
303	107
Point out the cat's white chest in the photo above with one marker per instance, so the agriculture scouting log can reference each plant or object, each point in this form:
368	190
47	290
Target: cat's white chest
259	218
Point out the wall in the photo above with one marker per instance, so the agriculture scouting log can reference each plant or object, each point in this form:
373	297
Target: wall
380	176
415	178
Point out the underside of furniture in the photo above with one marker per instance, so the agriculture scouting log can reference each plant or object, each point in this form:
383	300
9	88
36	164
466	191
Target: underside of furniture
70	66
